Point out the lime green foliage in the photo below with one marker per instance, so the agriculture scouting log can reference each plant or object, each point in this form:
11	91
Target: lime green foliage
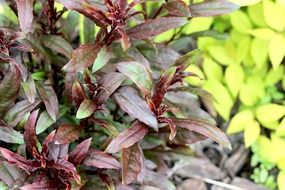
247	78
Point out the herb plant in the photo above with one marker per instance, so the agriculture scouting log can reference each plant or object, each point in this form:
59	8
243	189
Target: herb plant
91	116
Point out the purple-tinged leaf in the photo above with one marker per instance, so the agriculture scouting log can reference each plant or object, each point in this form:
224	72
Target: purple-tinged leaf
177	8
129	101
9	88
58	44
212	8
30	89
172	126
25	14
110	82
133	166
190	58
158	180
128	137
86	108
16	113
102	59
77	94
30	137
68	167
185	136
9	173
9	135
82	58
57	151
79	153
41	185
47	141
66	134
138	73
44	122
50	100
138	57
16	159
125	40
204	128
154	27
101	160
162	86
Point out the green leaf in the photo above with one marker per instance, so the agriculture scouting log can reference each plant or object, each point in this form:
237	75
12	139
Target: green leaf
274	15
281	180
274	76
239	121
138	73
86	30
212	69
197	25
191	58
243	49
256	15
30	89
241	22
262	33
259	51
270	113
277	49
102	59
44	122
221	54
86	109
251	133
234	77
245	2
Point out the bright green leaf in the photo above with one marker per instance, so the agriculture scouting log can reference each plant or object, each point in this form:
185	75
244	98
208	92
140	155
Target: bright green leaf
274	15
212	69
259	51
86	108
234	77
221	54
277	49
239	121
270	113
241	22
262	33
245	2
243	48
251	133
256	15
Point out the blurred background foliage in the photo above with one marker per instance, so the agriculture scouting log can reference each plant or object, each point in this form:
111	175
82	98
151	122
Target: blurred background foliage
243	55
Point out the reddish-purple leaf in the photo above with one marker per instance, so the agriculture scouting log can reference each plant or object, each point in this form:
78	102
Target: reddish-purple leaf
138	73
100	159
79	153
177	8
9	174
50	100
86	109
212	8
162	86
110	82
125	40
66	134
77	94
57	151
16	113
25	14
30	89
171	125
8	134
62	164
129	101
48	140
133	166
154	27
9	88
128	137
30	133
185	136
41	185
205	128
82	58
58	44
16	159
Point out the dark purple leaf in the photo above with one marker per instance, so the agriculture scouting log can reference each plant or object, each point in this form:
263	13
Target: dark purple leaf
42	185
50	100
204	128
79	153
9	88
177	8
16	113
58	44
138	73
66	134
128	137
154	27
133	166
16	159
30	133
25	14
100	159
82	57
212	8
129	101
190	58
77	94
86	109
185	136
110	82
9	135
